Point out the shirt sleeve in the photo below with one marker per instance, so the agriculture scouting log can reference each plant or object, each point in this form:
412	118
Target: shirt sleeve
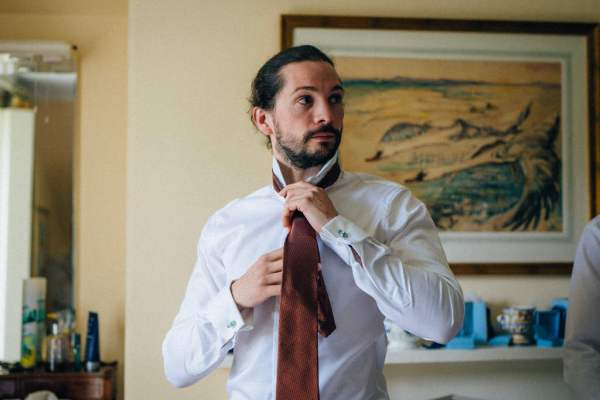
204	330
582	344
404	270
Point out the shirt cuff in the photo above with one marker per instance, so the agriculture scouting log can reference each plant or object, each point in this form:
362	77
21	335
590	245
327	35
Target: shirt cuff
343	236
226	317
342	230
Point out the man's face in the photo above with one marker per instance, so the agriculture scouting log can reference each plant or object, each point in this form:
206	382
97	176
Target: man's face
308	114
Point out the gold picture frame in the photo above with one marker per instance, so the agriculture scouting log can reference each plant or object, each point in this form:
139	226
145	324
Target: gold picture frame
519	100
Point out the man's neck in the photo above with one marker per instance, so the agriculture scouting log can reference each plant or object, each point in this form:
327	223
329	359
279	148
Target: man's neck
292	174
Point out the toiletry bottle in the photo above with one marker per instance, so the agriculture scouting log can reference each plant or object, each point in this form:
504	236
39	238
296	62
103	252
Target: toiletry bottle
76	350
33	319
92	344
57	346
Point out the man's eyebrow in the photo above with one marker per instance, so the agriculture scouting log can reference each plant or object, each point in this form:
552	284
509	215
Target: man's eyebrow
314	89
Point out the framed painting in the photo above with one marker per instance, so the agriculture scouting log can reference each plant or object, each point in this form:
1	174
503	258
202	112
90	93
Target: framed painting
492	124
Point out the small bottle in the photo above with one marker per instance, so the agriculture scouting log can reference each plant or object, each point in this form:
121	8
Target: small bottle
76	350
92	344
57	347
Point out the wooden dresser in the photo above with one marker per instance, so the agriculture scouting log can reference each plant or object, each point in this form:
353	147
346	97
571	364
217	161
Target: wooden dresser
69	385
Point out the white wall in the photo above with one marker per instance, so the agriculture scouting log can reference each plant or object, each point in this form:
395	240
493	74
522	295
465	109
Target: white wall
191	149
522	380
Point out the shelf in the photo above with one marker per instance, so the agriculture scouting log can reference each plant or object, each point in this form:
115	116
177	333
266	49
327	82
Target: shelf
99	385
481	354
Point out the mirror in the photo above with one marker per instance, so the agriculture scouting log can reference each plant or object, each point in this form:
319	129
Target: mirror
37	124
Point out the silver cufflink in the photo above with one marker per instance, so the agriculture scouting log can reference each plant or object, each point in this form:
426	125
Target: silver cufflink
343	234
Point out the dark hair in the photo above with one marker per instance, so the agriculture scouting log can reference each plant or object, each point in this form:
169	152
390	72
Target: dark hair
268	81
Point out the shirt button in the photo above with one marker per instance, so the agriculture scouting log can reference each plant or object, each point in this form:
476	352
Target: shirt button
231	324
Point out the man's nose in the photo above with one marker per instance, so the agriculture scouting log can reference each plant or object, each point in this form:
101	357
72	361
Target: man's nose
323	113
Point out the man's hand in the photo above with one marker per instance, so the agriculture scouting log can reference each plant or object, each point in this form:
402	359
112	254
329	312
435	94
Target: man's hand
309	199
260	282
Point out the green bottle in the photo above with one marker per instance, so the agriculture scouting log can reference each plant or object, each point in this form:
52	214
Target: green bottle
76	350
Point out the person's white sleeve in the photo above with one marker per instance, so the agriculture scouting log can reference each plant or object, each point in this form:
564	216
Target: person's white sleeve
582	342
208	320
405	271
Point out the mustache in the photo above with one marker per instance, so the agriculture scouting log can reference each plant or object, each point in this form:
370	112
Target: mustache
328	128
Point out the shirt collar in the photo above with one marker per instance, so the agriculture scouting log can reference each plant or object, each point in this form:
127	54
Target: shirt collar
314	179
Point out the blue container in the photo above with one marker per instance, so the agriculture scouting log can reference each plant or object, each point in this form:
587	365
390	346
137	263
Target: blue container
547	328
500	341
561	305
92	344
474	330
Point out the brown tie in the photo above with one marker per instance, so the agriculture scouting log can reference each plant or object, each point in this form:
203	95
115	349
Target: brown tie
304	308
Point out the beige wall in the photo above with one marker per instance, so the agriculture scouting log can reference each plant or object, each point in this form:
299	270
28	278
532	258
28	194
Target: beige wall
191	148
100	33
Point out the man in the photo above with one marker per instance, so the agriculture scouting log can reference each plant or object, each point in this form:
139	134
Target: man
379	254
582	344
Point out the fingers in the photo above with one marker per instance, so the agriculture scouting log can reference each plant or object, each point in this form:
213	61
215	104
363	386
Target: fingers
273	290
298	196
274	278
295	193
298	185
301	197
272	261
274	255
275	266
300	202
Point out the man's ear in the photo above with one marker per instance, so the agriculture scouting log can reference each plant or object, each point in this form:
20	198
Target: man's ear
263	121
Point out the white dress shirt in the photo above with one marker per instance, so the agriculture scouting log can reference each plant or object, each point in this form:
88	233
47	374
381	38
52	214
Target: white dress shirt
582	344
399	271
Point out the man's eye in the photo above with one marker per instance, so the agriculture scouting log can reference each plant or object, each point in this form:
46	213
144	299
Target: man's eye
336	99
305	100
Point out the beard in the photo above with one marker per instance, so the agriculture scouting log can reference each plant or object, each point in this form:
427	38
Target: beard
297	152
